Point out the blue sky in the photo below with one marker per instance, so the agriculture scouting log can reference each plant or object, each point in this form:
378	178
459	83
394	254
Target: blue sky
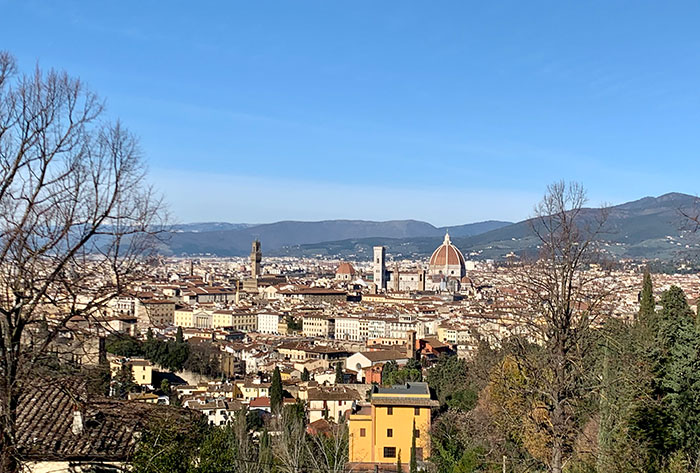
448	112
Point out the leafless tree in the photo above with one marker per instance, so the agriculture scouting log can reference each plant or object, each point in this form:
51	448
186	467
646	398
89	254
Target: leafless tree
328	451
563	300
75	220
246	453
289	446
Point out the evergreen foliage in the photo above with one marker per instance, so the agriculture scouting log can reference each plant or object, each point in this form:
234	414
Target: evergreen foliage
392	374
451	381
124	381
647	304
339	376
413	464
276	391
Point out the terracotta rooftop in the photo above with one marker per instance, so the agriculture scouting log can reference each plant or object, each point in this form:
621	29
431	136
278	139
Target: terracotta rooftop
108	431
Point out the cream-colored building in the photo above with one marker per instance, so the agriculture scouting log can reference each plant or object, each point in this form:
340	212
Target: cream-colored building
318	326
241	321
183	317
141	369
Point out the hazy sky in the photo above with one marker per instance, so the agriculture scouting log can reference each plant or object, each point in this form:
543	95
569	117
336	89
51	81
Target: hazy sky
449	112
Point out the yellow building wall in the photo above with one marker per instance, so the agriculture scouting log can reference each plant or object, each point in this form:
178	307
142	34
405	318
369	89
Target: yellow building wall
142	374
183	319
401	423
360	447
370	448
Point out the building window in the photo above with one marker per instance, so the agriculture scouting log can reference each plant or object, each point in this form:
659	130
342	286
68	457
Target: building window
363	432
416	411
389	452
390	411
389	432
416	433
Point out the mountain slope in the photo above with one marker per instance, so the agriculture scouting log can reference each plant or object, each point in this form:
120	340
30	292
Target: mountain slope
273	236
648	228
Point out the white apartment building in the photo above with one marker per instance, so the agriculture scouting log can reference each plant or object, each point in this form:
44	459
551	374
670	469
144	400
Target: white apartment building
268	322
399	327
372	327
347	328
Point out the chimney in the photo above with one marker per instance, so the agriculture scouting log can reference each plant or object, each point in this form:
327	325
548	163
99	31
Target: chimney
77	427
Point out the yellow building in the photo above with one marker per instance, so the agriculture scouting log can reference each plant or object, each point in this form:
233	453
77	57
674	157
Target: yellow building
241	321
385	428
183	317
250	390
141	369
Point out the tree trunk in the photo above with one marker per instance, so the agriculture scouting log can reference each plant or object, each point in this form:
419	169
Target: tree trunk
8	449
557	438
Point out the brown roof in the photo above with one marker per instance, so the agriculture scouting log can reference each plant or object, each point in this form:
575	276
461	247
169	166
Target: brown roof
404	401
336	393
110	427
384	355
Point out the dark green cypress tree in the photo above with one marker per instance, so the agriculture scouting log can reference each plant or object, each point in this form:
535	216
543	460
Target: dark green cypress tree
339	378
399	468
668	420
265	457
276	391
413	465
647	304
305	375
179	338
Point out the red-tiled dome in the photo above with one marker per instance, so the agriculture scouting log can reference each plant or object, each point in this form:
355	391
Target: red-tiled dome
447	255
345	268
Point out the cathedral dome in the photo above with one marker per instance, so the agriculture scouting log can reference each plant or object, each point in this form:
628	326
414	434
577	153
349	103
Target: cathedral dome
447	259
345	268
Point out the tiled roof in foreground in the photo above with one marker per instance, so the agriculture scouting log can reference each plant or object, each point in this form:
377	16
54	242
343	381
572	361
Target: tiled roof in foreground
47	428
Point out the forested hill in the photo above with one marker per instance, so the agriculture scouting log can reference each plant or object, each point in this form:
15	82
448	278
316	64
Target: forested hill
648	228
226	239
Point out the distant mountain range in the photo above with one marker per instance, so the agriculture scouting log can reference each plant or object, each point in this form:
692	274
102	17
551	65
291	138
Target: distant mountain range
227	239
647	228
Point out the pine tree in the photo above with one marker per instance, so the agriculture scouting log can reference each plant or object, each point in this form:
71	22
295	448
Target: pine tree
305	375
339	378
276	391
647	304
179	338
399	468
413	465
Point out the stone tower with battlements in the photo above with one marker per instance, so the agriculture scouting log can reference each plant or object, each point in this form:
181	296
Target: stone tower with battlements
255	259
